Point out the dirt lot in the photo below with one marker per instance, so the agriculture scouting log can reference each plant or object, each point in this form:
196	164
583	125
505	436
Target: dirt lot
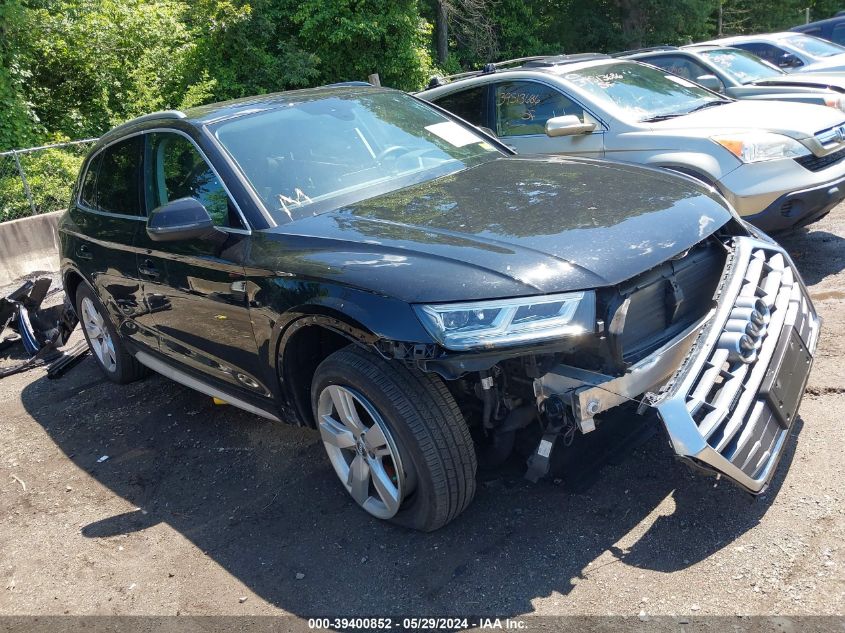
202	509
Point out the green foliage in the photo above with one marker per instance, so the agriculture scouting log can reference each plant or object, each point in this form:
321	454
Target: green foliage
355	38
613	25
520	27
18	123
93	64
822	9
244	49
50	175
750	16
75	68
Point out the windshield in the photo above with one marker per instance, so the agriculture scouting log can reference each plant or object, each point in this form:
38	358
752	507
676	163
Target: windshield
814	46
312	156
741	65
642	93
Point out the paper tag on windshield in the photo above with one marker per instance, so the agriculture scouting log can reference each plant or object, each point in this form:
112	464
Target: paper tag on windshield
680	81
453	133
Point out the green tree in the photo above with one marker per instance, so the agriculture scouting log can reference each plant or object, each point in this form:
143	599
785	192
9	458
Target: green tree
750	16
244	48
612	25
18	123
354	38
521	28
92	64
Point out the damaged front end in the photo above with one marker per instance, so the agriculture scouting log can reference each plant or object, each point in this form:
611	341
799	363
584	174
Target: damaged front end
730	405
719	341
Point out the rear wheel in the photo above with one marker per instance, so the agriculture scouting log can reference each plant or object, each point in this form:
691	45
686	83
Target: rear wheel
106	345
395	438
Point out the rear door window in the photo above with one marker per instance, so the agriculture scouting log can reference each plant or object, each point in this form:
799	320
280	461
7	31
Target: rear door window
112	183
837	35
175	169
88	197
523	107
467	104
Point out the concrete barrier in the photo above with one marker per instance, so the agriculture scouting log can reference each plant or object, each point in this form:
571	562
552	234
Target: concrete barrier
28	245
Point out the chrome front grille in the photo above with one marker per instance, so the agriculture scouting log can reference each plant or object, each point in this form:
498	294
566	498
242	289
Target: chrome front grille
817	163
726	407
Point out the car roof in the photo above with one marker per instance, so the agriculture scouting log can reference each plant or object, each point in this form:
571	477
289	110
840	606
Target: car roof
648	49
657	50
216	112
548	64
695	48
745	38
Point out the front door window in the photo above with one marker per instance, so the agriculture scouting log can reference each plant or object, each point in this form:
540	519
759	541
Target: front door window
523	107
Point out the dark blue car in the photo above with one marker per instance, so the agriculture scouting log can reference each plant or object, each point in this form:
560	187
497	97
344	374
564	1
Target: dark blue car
832	29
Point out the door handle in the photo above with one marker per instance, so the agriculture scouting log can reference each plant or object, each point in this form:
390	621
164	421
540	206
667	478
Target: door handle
83	252
148	269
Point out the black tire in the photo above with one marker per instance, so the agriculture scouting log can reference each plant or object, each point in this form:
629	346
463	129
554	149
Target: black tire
126	368
431	435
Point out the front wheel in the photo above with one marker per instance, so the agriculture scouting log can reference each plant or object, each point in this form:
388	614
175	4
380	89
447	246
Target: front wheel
395	438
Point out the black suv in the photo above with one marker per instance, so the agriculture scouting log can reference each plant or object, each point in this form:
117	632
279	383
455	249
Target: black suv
355	260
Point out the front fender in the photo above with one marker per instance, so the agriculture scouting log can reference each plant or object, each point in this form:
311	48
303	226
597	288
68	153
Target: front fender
282	305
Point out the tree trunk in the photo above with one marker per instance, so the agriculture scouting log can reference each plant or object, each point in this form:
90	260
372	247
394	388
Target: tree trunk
633	18
442	32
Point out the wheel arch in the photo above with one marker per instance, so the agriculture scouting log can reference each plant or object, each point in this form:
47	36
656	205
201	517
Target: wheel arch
691	172
71	280
303	343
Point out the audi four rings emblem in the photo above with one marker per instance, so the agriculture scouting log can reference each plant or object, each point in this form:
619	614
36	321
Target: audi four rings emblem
745	329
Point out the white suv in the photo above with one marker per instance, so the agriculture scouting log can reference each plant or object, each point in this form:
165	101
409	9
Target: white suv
780	165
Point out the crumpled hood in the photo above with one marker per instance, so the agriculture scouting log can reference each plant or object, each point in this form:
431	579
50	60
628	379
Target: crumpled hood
796	120
510	227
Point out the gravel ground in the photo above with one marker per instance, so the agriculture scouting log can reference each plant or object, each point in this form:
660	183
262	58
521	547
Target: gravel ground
202	509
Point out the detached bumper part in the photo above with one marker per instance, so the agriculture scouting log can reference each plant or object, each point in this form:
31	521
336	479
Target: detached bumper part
41	331
730	411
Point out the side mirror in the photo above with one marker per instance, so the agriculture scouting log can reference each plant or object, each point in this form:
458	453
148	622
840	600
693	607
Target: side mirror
568	125
788	60
711	82
182	219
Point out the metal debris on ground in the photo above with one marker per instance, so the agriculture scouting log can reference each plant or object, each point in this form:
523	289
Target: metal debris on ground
41	331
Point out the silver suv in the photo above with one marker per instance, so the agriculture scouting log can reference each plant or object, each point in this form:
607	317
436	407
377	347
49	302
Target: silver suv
794	52
779	164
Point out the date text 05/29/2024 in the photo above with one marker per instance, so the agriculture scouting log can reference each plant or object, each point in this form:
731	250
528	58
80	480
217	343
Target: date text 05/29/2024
420	624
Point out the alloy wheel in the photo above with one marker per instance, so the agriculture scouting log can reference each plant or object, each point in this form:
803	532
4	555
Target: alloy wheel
361	450
98	335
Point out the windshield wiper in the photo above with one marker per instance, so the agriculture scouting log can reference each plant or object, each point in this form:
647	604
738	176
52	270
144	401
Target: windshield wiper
708	104
662	117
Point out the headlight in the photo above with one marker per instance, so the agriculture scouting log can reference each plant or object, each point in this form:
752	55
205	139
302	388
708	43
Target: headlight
500	323
753	147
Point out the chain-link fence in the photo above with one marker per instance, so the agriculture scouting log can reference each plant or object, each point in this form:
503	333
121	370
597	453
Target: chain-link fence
39	179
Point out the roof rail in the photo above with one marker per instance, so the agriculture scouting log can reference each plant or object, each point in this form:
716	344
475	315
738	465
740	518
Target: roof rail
441	80
152	116
557	60
648	49
349	84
